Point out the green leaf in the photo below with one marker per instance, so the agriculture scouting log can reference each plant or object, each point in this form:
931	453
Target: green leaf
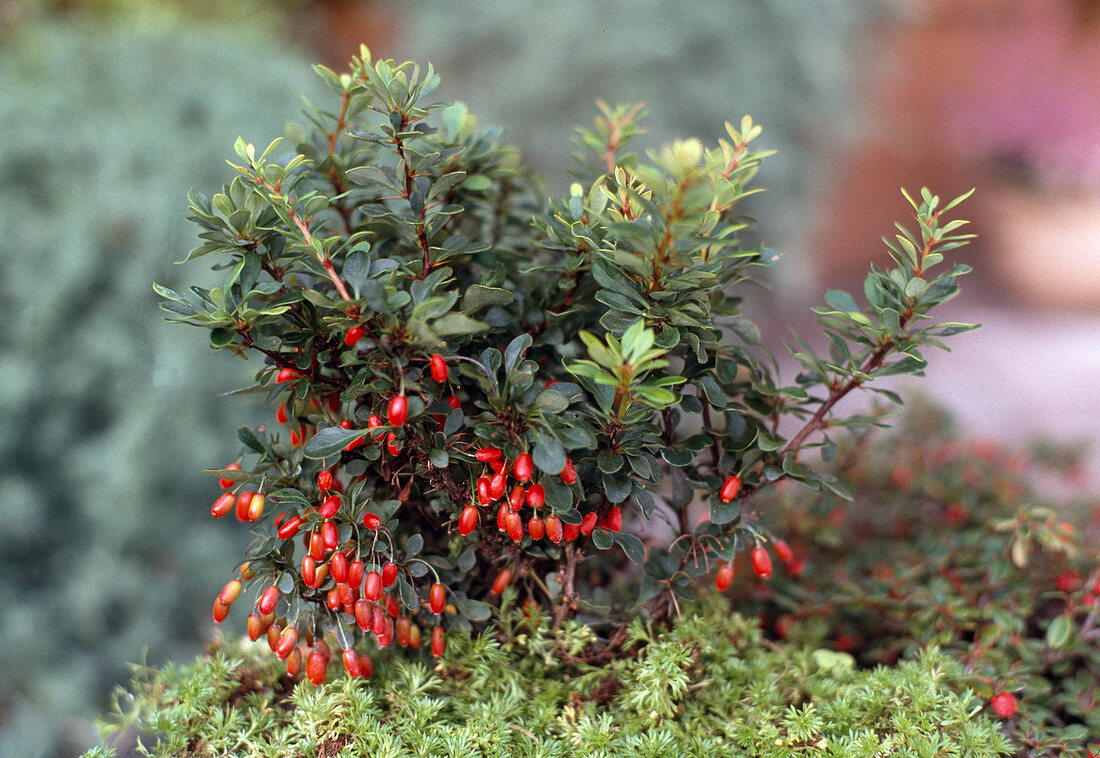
246	436
548	454
841	301
1060	631
330	441
474	610
457	323
602	539
356	270
476	183
222	336
617	487
514	351
439	458
551	401
478	296
723	513
632	546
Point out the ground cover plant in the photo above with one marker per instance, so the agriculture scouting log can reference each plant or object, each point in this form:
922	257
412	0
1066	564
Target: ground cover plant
476	395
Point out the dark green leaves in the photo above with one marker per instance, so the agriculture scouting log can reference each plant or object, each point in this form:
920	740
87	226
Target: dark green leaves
330	441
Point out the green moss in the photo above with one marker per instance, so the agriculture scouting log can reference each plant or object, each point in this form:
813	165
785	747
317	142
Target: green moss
710	686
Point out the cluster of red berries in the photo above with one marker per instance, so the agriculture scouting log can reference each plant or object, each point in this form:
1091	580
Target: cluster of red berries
759	559
359	584
361	593
493	484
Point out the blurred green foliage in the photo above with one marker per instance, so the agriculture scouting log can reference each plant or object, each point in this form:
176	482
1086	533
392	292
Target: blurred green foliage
109	413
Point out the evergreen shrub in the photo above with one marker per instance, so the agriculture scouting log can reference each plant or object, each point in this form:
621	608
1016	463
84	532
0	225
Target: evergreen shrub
478	396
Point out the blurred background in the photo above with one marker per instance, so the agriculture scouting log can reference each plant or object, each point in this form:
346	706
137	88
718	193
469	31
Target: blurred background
112	109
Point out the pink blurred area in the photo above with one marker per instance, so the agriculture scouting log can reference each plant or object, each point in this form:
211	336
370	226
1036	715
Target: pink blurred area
1002	96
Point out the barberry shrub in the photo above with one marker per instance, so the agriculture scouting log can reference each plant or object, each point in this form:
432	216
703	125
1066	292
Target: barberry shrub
474	390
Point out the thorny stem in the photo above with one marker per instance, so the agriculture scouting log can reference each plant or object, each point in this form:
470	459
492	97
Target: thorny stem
421	236
615	136
567	576
333	174
307	237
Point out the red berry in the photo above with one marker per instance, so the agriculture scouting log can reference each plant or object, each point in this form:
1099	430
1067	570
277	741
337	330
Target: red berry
1004	704
268	600
570	532
309	571
438	368
285	375
330	535
414	637
315	667
294	662
536	496
439	642
289	528
568	472
523	468
389	575
536	528
497	485
484	494
588	523
1067	581
287	640
724	578
330	506
514	524
316	546
453	402
392	606
504	578
391	444
324	480
223	505
351	664
371	521
273	633
553	528
366	666
437	598
613	520
354	335
782	551
401	629
256	626
221	610
488	454
761	562
517	497
227	483
338	567
398	410
502	517
467	522
372	586
364	613
231	591
355	574
729	489
256	507
332	599
280	415
244	500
